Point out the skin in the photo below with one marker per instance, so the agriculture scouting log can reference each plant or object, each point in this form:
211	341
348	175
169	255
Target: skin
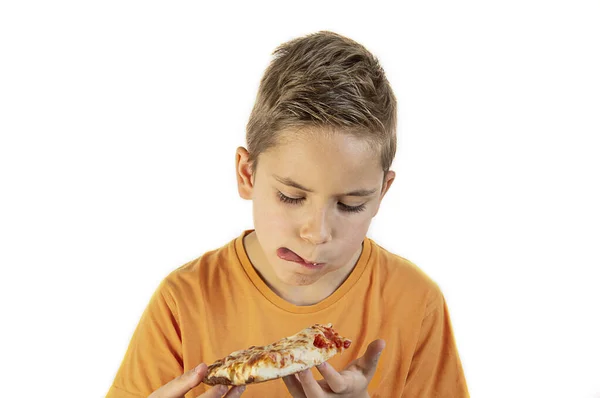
317	225
320	222
181	385
352	382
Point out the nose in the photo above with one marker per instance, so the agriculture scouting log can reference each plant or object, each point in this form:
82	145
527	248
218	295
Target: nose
317	228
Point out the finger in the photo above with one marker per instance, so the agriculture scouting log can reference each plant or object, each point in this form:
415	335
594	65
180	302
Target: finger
182	384
294	386
334	380
215	392
368	362
235	392
311	388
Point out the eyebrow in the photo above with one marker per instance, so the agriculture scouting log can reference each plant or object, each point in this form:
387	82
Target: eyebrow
291	183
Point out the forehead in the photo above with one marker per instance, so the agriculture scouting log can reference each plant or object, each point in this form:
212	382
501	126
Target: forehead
324	160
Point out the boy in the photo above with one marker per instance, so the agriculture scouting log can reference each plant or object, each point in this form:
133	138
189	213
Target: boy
321	140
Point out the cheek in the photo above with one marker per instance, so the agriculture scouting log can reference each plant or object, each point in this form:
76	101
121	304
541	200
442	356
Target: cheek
354	231
270	216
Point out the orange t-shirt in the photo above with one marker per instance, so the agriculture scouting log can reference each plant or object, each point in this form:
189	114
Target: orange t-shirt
218	304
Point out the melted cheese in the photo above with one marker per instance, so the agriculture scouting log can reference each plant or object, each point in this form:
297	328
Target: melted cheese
282	358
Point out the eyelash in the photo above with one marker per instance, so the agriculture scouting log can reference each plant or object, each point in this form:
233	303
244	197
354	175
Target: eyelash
297	201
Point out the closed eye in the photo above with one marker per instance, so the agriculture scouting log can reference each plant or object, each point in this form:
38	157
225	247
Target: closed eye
351	209
342	206
287	199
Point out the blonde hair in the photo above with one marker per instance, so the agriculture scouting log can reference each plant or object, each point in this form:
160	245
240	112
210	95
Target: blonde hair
324	81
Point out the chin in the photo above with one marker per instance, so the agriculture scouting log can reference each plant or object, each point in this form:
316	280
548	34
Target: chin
298	279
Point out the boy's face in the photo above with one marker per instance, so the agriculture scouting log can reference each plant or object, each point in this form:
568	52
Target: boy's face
314	196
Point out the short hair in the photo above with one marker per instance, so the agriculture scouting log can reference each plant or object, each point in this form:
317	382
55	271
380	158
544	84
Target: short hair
327	81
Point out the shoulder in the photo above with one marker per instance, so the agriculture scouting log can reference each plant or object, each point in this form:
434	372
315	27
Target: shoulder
193	275
400	278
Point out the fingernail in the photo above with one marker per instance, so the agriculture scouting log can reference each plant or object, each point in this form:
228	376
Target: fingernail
222	389
242	389
197	369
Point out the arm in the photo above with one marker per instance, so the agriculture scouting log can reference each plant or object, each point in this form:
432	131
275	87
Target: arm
436	370
153	357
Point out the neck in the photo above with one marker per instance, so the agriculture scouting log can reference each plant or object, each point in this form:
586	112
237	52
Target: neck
297	295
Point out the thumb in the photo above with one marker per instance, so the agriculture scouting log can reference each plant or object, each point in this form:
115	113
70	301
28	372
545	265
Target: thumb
180	386
368	362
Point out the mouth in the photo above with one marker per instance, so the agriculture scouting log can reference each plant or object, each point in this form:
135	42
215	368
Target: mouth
286	254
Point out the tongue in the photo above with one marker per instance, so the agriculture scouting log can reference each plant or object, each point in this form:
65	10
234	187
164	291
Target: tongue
287	254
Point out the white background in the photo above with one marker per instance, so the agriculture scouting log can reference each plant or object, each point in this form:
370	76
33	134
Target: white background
119	121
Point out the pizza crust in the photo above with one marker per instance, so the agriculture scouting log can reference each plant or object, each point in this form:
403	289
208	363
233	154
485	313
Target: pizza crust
307	348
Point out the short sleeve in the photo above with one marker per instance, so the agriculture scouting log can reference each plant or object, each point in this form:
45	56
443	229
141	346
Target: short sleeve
436	369
154	355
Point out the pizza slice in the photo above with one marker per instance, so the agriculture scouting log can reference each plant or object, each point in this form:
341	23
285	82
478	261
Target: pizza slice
307	348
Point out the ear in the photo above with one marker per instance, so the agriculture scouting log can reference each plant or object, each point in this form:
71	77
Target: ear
387	183
243	170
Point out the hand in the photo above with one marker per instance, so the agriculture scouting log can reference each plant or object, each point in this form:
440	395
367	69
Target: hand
178	387
350	382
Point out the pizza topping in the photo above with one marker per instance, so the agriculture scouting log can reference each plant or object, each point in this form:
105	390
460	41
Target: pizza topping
331	338
321	342
311	346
